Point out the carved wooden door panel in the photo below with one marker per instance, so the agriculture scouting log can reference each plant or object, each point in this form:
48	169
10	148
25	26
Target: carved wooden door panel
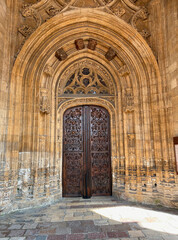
86	152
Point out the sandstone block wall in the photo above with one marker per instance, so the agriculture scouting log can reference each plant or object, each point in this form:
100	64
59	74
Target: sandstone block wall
136	50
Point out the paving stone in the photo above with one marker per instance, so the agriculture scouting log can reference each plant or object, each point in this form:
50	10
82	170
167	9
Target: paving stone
152	233
30	238
17	238
4	233
173	237
30	226
41	238
57	237
15	226
101	222
96	235
75	237
62	231
3	226
31	232
136	233
16	233
117	234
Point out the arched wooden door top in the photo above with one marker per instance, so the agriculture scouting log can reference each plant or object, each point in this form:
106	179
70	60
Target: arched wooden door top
86	152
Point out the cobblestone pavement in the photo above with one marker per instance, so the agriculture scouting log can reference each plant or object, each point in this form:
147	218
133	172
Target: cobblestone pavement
95	218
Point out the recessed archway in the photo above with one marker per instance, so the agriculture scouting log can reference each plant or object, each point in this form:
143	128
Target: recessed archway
138	138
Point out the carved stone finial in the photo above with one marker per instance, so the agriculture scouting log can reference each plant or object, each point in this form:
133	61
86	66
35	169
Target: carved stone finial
79	43
61	54
110	55
92	44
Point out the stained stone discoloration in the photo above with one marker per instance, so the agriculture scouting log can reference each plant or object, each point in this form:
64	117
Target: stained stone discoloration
124	228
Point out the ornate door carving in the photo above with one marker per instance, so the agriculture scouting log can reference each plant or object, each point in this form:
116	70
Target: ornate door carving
86	152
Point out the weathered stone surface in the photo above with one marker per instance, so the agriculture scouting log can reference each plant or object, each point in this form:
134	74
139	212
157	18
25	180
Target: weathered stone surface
142	99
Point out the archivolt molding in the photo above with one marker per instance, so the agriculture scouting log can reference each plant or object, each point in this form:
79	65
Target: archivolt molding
44	10
140	141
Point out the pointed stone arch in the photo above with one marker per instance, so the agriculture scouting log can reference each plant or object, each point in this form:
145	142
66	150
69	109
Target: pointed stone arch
140	130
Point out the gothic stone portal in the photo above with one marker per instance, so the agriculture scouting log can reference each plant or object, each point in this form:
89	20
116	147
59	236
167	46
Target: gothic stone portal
86	152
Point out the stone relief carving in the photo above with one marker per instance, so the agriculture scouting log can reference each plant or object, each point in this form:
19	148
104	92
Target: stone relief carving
123	71
131	140
48	70
81	65
92	44
52	11
142	13
25	30
43	10
61	54
128	101
110	55
79	43
44	101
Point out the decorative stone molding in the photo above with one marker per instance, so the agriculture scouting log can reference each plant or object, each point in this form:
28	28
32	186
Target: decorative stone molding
119	12
67	78
61	54
41	11
28	11
26	30
44	101
52	11
110	55
142	13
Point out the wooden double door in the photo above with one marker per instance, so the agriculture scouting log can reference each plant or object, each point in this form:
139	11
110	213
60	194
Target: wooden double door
86	152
